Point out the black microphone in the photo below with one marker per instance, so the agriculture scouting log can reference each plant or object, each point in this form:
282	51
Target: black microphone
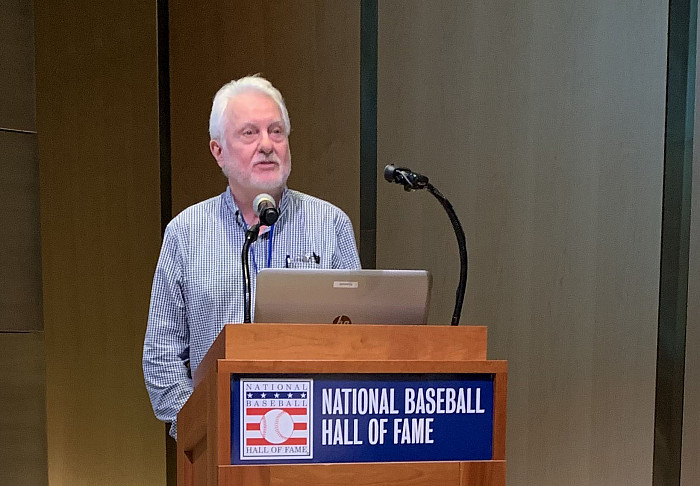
402	175
265	207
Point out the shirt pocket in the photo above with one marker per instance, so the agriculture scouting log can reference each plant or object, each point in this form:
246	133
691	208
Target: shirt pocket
309	259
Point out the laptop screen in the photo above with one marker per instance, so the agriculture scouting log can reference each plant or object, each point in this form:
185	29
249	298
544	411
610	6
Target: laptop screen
317	296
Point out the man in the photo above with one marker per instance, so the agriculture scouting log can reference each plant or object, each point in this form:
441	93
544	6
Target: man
198	284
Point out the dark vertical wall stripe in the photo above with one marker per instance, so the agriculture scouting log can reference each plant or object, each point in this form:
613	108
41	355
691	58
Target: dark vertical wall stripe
166	200
164	113
675	241
368	133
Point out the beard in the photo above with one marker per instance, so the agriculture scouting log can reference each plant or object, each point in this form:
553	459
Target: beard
259	182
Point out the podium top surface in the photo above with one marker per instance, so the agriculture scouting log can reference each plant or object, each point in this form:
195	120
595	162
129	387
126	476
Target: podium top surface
344	342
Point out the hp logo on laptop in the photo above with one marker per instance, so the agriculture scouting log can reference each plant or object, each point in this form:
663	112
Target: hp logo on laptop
342	320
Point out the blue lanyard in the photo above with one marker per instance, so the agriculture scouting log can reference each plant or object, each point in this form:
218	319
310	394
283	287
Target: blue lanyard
269	247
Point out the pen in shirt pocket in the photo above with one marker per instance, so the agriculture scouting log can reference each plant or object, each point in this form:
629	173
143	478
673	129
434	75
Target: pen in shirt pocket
311	257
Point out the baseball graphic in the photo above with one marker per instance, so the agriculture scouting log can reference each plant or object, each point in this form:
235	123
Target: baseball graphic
276	426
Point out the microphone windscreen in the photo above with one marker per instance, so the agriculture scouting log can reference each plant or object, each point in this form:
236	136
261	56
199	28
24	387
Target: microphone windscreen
261	201
265	207
389	173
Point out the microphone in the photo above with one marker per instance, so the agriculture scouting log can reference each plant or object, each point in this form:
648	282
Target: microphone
402	175
265	207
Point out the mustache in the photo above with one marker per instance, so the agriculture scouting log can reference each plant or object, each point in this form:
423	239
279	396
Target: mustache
268	158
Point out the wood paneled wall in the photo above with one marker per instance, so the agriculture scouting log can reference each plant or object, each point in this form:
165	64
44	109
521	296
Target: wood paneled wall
309	50
23	412
20	259
22	402
17	64
97	120
20	262
544	125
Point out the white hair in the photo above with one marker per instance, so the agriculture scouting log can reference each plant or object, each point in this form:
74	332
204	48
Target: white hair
232	89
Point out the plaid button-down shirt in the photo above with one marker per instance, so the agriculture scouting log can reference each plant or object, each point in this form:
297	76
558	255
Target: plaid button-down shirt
198	283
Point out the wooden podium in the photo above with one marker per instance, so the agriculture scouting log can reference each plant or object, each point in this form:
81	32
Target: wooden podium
205	425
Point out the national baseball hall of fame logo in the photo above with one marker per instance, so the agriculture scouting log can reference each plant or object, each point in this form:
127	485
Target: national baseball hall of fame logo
276	419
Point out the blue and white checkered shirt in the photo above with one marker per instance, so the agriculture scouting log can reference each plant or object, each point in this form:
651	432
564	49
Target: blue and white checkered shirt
198	282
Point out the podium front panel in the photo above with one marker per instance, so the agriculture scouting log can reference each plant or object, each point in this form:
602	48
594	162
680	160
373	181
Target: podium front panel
356	418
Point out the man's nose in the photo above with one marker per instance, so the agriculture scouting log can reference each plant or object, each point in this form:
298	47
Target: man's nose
265	143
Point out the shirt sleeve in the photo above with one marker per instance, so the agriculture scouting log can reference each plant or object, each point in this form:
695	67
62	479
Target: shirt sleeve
166	345
345	255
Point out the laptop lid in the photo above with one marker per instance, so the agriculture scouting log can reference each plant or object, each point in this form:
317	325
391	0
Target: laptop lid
322	296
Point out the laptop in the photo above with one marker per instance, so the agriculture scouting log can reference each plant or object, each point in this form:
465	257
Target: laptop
322	296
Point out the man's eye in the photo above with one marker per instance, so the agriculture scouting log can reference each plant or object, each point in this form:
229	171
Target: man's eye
277	134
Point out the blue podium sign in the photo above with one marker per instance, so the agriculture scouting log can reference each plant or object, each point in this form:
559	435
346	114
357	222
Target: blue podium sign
291	419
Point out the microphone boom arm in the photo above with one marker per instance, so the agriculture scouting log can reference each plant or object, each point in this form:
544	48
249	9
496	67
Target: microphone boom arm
462	244
412	181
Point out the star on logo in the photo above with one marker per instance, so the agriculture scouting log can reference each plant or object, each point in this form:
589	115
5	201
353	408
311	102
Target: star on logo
277	395
289	395
262	395
303	395
250	395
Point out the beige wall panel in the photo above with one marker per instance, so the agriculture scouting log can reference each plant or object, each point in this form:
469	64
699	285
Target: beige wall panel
310	50
20	254
97	120
23	405
543	124
690	466
17	65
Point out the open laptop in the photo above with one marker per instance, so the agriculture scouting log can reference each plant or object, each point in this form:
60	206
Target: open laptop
321	296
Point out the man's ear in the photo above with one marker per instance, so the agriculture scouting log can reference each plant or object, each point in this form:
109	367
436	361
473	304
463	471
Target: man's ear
216	150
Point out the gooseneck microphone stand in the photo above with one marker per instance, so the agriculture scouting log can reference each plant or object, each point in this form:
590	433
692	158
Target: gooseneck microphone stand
251	235
412	181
